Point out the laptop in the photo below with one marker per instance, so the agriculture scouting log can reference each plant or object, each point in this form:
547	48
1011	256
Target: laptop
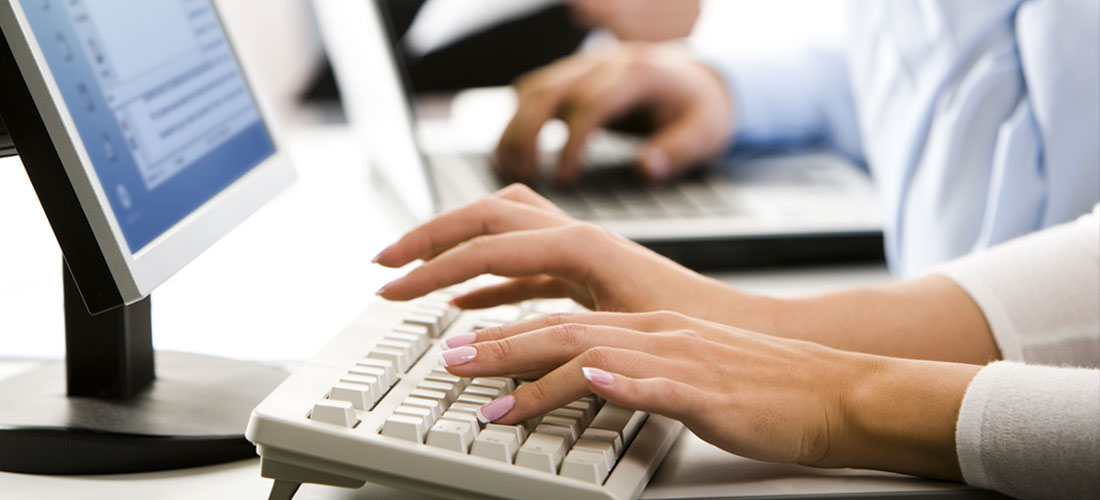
758	210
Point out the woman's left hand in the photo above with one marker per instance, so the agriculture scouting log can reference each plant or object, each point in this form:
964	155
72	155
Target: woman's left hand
754	395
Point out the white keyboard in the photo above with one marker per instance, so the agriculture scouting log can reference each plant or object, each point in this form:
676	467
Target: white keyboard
375	405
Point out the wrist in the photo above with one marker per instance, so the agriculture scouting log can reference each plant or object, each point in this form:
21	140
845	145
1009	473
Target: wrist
900	415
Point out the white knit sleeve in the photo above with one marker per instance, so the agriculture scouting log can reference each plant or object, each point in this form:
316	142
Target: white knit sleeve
1040	293
1032	431
1025	430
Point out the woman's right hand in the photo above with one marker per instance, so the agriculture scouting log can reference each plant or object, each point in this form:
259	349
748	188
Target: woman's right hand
689	103
518	234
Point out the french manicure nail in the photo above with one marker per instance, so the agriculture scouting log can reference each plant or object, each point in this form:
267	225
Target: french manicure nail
459	340
495	409
379	256
459	356
385	287
598	376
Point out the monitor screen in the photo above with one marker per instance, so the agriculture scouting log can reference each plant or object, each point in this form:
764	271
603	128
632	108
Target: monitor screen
159	101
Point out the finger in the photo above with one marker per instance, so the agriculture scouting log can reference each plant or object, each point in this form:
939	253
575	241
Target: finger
680	145
567	383
598	98
522	194
650	322
517	290
539	95
546	349
660	395
553	251
489	215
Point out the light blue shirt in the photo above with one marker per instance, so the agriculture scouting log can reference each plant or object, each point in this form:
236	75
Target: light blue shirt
979	121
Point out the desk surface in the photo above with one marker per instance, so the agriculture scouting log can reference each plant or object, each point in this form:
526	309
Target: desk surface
301	271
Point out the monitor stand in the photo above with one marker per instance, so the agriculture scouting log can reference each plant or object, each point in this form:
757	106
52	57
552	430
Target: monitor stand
102	411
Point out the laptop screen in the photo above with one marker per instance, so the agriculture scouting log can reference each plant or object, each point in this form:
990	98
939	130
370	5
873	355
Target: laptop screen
159	102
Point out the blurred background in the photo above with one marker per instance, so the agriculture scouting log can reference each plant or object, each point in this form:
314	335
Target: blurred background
279	42
280	39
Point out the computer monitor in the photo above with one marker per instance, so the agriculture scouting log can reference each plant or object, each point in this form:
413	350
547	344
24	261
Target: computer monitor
145	144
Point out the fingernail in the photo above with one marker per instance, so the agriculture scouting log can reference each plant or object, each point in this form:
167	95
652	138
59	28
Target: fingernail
459	340
656	162
379	256
385	287
459	356
495	409
598	376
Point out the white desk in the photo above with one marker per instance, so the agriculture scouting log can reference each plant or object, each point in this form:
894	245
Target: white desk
290	277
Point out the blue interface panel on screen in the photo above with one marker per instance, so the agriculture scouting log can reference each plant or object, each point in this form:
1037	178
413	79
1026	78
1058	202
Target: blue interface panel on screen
158	99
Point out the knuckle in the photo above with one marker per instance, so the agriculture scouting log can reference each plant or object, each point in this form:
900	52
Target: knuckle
666	317
536	391
557	318
516	188
599	356
571	334
499	349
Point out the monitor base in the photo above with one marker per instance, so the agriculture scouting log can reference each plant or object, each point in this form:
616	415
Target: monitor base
194	413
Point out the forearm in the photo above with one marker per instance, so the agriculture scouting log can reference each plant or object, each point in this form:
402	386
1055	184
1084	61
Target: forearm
929	318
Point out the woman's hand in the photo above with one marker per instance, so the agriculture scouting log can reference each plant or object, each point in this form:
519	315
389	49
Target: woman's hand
688	102
519	234
755	395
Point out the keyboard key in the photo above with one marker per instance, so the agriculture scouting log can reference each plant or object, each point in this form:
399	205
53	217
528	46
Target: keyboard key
428	394
366	380
504	384
334	412
419	342
407	350
389	375
395	356
604	448
360	396
480	390
424	414
570	413
473	399
611	437
573	424
586	465
450	390
517	430
432	323
433	405
496	445
467	419
405	427
564	432
542	452
413	329
441	375
624	421
451	435
588	408
465	408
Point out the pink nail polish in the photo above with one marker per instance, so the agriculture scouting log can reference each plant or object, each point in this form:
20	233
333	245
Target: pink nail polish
598	376
459	356
496	408
459	340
